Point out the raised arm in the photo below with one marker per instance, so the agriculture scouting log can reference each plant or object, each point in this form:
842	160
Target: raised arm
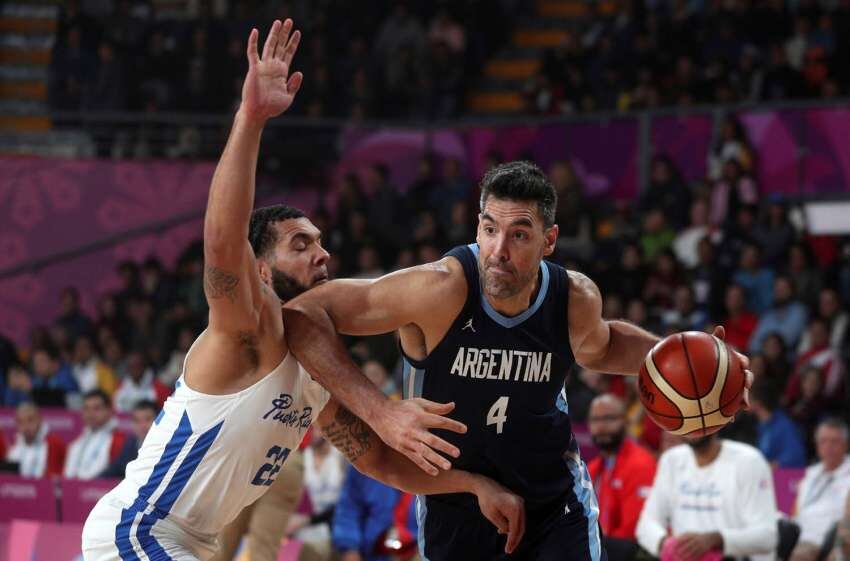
375	459
231	282
401	300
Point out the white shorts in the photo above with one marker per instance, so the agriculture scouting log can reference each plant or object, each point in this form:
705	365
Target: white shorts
116	532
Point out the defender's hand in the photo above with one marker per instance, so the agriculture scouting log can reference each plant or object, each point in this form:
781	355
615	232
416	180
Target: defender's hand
504	509
269	90
720	333
404	426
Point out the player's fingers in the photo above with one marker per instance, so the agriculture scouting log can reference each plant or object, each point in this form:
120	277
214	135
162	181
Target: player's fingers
434	407
434	458
749	378
745	360
253	57
438	422
271	40
437	443
282	39
514	528
286	54
720	332
420	462
294	83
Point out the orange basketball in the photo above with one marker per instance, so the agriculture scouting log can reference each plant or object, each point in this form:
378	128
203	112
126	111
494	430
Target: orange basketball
691	383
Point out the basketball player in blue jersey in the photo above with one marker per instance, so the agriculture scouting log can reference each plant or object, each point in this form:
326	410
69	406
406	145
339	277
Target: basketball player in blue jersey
494	328
243	402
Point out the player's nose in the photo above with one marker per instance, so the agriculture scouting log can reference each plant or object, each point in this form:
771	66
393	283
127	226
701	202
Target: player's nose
501	249
322	256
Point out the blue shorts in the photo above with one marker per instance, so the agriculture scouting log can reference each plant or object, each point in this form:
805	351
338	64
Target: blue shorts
450	533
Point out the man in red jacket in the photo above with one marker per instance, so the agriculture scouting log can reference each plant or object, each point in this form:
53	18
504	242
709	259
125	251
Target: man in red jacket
622	474
37	451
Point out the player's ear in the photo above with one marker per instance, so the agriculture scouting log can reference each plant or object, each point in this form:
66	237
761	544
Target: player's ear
550	236
265	271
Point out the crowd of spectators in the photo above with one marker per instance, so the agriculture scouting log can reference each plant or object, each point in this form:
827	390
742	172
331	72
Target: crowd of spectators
682	53
384	59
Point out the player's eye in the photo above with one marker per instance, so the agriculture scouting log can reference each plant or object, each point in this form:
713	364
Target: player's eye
520	235
490	230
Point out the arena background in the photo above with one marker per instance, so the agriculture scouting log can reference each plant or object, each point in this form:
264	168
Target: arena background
679	135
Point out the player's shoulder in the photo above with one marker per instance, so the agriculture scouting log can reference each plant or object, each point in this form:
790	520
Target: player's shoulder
585	298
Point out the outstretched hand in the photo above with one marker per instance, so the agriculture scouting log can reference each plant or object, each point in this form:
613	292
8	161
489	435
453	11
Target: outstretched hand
269	90
404	426
720	333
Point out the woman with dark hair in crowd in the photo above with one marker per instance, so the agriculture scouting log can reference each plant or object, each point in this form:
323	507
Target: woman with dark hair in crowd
806	278
667	191
774	233
731	144
775	353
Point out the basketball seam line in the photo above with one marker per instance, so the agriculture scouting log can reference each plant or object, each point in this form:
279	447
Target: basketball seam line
694	378
660	391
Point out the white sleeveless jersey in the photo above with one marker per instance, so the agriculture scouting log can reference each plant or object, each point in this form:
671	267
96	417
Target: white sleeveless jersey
208	456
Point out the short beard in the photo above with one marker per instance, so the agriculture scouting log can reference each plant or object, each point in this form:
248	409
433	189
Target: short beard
701	444
285	286
502	290
611	442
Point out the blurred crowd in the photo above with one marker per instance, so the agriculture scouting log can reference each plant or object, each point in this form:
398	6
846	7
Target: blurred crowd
680	257
686	52
384	59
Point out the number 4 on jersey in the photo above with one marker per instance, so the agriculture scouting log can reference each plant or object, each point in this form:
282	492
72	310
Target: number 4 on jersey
498	413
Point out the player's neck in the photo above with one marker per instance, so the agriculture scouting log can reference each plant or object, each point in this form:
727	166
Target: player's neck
518	303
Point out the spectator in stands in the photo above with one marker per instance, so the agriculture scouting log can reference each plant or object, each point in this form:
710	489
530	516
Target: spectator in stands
662	281
52	382
809	404
787	317
324	473
89	371
18	388
779	438
369	517
684	316
139	383
667	191
657	236
99	444
37	451
755	279
830	310
730	192
384	201
144	415
732	145
823	491
108	88
71	317
825	359
775	234
712	495
622	474
173	369
687	240
806	279
739	323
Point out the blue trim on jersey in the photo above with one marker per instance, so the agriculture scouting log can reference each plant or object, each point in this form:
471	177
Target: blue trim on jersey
186	469
583	489
166	501
561	403
506	321
421	514
413	379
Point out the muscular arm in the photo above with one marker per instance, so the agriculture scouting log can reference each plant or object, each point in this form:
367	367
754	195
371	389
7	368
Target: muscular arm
373	458
358	307
231	281
614	347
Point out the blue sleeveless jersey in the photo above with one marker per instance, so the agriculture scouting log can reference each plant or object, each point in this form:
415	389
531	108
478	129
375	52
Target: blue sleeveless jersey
506	376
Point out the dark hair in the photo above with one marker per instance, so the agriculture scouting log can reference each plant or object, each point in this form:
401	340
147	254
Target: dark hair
261	235
99	394
521	181
143	404
766	392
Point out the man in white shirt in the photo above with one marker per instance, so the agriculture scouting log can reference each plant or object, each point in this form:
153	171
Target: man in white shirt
100	443
712	494
37	451
823	490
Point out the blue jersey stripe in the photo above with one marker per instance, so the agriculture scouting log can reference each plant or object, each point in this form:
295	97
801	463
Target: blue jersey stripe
421	515
122	530
186	469
583	490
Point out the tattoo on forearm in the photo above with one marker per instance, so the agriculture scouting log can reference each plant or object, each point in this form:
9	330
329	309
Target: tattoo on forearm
219	283
349	434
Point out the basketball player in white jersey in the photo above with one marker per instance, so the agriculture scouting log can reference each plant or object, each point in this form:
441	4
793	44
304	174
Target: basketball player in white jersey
243	402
